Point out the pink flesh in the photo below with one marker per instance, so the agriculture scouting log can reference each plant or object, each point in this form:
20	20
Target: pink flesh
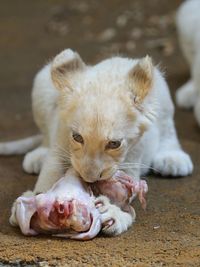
94	229
67	207
120	189
67	210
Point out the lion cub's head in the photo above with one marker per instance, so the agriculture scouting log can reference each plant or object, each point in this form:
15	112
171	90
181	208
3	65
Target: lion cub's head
104	110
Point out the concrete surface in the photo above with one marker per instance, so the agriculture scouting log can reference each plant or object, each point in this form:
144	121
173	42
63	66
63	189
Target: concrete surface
168	233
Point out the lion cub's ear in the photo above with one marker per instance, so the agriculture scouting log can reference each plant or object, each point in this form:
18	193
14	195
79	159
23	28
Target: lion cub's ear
141	79
63	66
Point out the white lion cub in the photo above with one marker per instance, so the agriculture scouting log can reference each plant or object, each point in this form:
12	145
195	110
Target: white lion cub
188	25
116	115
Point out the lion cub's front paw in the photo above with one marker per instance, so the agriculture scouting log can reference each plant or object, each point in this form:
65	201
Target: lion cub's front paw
175	163
33	160
114	220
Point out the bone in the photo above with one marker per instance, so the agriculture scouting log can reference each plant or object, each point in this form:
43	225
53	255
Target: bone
66	210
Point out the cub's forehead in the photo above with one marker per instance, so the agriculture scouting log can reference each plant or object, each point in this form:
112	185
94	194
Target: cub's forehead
106	118
102	97
106	76
100	86
101	107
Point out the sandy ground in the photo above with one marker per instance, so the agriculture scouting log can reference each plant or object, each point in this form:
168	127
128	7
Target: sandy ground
168	233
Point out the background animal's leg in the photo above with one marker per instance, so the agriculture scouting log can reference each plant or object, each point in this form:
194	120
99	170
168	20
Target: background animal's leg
186	95
196	77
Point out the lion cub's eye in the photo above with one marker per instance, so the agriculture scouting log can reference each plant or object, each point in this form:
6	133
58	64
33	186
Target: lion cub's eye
78	138
113	144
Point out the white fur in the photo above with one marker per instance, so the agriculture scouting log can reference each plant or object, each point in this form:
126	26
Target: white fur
120	220
34	160
101	88
188	25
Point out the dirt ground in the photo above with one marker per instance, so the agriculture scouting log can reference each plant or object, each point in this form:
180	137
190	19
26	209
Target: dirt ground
32	32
